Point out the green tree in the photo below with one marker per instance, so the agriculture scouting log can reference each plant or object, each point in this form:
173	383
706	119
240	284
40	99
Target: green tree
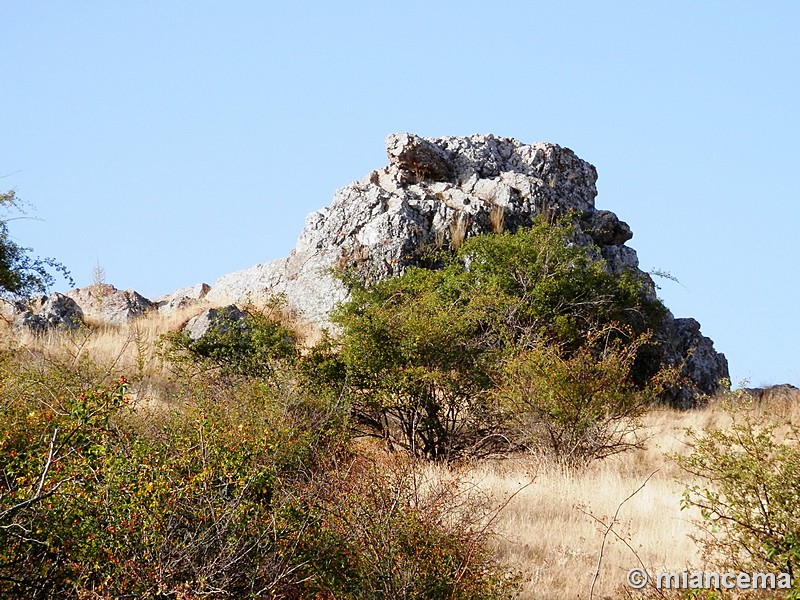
22	274
422	351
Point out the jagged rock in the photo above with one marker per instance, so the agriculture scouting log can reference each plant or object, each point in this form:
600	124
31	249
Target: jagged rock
181	298
702	367
381	224
436	192
216	319
104	303
607	230
55	311
418	159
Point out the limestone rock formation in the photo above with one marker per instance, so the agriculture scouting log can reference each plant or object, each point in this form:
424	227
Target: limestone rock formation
435	193
49	312
104	303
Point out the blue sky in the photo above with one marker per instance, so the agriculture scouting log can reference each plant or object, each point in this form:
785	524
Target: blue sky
175	142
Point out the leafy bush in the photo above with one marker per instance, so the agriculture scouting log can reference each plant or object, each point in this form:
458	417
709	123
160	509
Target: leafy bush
581	405
250	347
421	352
21	274
242	491
748	494
415	365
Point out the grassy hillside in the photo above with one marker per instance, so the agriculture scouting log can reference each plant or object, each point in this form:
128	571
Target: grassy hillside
181	483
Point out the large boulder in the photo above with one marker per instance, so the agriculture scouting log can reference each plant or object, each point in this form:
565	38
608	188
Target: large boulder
434	193
103	303
56	311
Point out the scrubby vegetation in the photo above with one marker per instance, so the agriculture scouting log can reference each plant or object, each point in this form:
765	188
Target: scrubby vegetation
428	356
136	461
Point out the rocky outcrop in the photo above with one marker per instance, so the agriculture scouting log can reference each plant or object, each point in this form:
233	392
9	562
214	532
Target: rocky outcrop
103	303
702	367
56	311
182	298
782	392
435	193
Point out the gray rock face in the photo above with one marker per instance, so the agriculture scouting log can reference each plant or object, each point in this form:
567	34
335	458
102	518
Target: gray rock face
435	193
217	319
701	366
106	304
56	311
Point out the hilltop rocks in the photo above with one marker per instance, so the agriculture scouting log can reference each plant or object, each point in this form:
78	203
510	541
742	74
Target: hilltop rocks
436	192
417	159
104	303
56	311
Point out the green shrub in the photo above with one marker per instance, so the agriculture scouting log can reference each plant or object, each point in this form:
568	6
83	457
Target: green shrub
421	352
250	347
96	497
749	493
248	490
580	405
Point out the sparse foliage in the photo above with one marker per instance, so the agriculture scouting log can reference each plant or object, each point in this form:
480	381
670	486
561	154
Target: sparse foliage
22	275
581	405
748	493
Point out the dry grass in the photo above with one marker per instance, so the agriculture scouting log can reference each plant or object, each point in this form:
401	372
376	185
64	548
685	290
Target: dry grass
458	230
133	349
551	529
497	217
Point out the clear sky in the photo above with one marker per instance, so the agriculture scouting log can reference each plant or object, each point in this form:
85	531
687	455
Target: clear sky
174	142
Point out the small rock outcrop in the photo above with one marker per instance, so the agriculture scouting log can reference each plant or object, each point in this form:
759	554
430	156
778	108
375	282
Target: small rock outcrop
56	311
435	192
182	298
782	391
103	303
215	319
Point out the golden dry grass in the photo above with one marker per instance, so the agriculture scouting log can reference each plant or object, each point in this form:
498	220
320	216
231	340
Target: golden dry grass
552	527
